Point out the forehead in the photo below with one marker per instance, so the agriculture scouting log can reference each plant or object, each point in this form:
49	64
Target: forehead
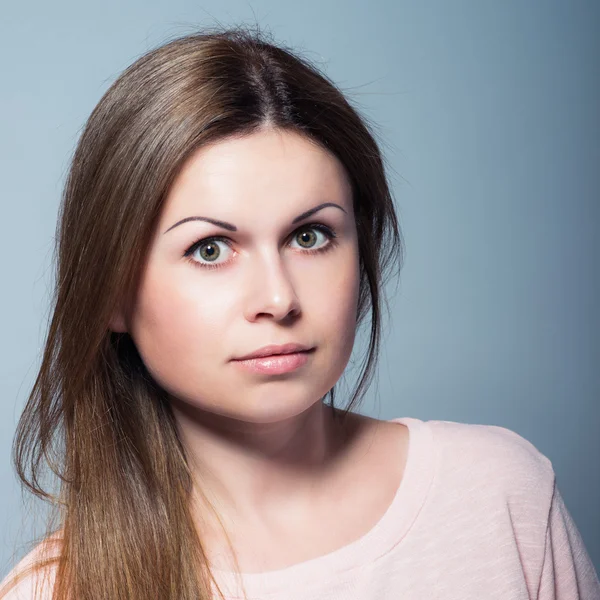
259	169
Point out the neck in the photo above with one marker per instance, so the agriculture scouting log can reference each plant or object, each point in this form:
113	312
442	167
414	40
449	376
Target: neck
262	471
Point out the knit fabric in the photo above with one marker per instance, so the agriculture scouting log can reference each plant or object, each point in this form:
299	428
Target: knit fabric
477	515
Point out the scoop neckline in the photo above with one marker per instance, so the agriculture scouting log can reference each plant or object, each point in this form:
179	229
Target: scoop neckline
391	528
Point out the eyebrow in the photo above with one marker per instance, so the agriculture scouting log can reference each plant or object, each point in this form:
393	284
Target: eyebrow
231	227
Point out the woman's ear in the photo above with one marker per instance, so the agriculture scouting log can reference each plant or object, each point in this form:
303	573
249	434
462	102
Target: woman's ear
118	322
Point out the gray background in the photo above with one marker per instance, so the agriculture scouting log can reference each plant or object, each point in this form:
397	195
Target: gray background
488	117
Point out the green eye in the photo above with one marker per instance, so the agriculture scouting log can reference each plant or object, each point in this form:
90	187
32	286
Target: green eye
211	251
306	234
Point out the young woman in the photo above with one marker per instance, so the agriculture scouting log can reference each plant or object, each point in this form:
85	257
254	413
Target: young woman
226	226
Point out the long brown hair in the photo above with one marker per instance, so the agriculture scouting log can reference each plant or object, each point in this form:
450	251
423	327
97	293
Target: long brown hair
121	520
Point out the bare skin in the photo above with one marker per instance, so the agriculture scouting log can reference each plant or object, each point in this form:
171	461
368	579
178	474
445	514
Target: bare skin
287	482
348	504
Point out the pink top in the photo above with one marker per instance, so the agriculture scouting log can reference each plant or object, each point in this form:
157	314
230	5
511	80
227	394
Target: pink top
477	515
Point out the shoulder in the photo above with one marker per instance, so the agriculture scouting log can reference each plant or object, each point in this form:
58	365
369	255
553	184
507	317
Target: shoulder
500	459
25	581
504	447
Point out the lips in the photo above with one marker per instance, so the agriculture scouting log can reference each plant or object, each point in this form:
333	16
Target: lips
276	364
274	349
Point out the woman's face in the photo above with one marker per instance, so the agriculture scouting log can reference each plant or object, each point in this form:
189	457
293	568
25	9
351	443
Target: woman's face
273	280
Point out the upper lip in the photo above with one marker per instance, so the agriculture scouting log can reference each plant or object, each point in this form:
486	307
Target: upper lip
275	349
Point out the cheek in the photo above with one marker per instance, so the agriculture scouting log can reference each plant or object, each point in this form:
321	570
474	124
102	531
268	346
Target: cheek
345	289
330	304
178	328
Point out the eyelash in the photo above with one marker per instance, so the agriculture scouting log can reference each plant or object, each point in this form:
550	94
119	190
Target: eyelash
329	233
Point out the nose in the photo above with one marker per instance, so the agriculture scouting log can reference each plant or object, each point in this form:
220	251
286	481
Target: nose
271	291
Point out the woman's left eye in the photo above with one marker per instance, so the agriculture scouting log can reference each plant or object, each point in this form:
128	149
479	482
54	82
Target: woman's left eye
209	248
307	237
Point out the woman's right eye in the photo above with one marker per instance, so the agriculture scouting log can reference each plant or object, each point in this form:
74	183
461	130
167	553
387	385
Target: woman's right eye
209	250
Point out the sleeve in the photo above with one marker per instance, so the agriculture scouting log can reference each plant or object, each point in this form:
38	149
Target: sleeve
22	584
35	586
21	591
567	570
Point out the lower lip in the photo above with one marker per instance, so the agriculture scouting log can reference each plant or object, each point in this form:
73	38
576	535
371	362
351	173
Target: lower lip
275	364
